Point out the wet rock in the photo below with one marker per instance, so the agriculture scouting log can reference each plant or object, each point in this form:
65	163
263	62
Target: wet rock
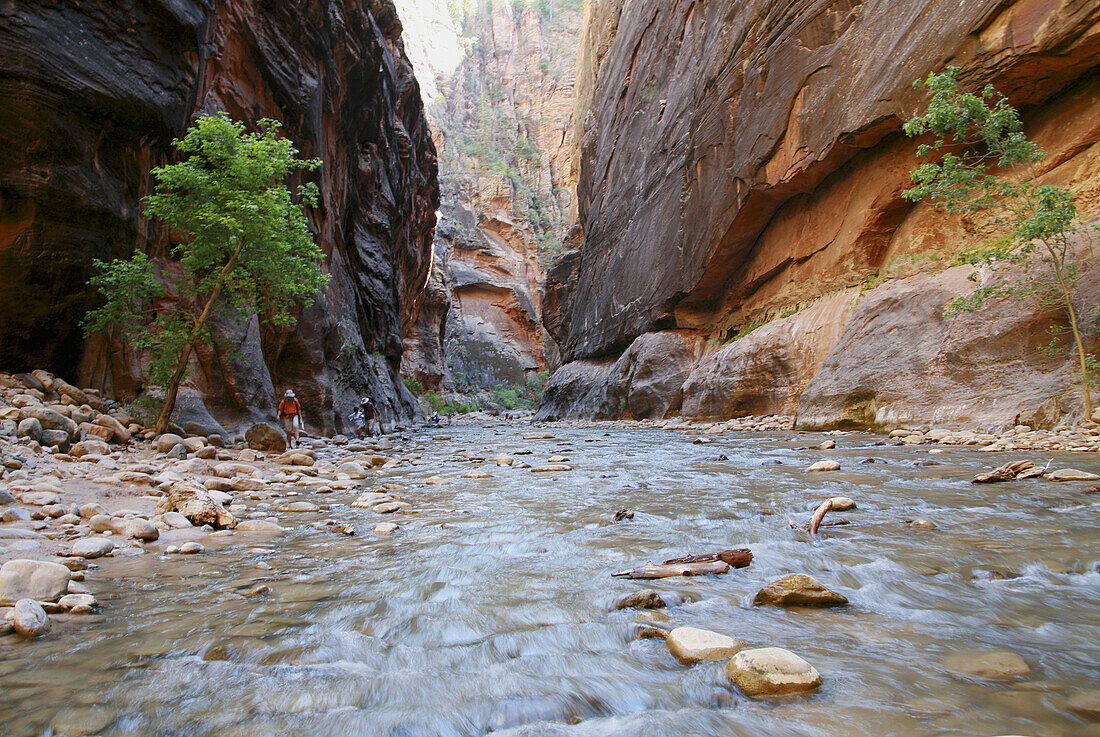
842	503
352	469
32	579
78	603
648	632
644	599
385	528
798	590
1071	474
771	671
191	548
258	525
391	507
1085	704
81	721
827	445
552	468
692	645
30	618
922	524
298	507
477	475
371	499
997	665
194	503
503	459
823	466
92	547
265	437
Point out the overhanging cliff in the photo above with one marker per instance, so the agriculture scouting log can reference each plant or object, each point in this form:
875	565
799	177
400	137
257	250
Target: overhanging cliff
91	97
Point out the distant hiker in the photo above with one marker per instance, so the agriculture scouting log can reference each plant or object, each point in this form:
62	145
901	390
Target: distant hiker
290	412
435	419
363	416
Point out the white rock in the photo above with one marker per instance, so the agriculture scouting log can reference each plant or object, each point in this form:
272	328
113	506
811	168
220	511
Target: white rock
32	579
771	671
823	466
78	603
1072	474
692	645
191	548
842	503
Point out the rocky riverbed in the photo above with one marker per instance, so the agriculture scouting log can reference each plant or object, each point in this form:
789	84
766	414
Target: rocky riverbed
456	581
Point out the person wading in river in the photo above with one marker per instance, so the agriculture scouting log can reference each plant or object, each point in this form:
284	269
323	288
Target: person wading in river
290	412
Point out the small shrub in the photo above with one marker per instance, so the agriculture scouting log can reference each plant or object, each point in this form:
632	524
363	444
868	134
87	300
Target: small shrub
413	386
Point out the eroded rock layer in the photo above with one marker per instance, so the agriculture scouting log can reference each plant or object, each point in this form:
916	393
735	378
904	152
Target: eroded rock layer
742	163
92	96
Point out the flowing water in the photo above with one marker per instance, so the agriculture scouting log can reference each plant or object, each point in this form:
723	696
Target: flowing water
492	610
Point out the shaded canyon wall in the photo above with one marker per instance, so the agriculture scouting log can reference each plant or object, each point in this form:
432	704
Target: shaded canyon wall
743	164
93	94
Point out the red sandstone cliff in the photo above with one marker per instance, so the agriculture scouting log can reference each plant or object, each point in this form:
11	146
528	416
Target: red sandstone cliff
92	95
743	161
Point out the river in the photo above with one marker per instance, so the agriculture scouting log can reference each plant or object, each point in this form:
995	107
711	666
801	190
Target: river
492	609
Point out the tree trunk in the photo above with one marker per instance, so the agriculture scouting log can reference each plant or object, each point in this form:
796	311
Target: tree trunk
1081	361
181	368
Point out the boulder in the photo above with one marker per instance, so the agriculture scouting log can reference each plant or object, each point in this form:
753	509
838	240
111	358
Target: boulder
258	525
90	446
92	547
691	645
194	503
167	442
32	579
263	436
30	618
771	671
644	599
352	470
798	589
995	665
118	430
141	529
51	419
30	427
58	438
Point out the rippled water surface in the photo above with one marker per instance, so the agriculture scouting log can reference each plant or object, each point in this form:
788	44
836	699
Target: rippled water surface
492	609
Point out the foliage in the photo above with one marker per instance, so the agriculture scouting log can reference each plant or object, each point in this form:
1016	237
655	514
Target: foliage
413	386
979	161
443	406
745	330
245	246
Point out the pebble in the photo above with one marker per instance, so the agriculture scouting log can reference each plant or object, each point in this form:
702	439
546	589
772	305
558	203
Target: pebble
692	645
30	618
771	671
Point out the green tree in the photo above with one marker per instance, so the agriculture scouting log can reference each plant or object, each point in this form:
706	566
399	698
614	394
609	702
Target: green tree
980	160
243	245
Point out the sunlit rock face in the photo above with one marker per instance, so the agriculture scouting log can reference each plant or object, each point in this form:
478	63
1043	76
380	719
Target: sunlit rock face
741	163
501	112
94	93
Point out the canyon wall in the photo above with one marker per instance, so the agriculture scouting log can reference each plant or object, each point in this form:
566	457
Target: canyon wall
743	164
500	106
91	97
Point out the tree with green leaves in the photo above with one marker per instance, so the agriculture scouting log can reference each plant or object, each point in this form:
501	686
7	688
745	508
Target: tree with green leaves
243	244
980	160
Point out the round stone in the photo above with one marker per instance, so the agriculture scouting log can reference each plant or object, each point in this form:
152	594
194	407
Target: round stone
996	665
771	671
191	548
30	618
693	645
93	547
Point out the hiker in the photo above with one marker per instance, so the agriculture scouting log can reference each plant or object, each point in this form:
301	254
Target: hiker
435	419
290	412
362	417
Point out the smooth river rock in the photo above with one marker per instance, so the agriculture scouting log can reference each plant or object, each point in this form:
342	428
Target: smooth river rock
644	599
771	671
692	645
823	466
32	579
995	665
93	547
30	618
798	589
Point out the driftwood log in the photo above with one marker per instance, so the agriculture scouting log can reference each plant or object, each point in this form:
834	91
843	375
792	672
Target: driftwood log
692	565
816	522
1007	472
